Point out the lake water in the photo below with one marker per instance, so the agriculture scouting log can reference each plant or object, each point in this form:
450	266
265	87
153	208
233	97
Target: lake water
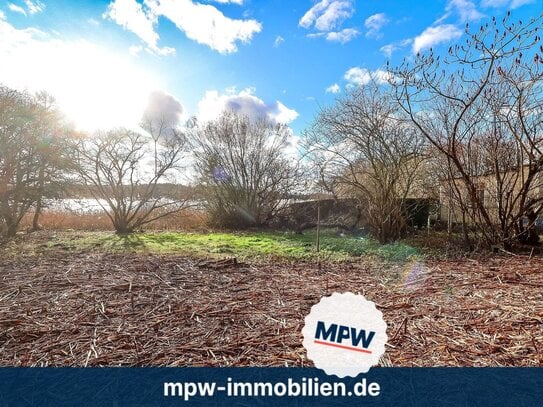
88	205
83	205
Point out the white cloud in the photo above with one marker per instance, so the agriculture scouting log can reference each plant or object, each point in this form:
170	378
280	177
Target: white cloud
435	35
205	24
361	76
16	9
162	105
34	6
465	8
327	15
93	22
238	2
202	23
278	41
494	3
374	24
342	36
316	35
358	76
245	102
335	14
510	4
518	3
389	49
93	86
163	110
130	15
326	18
333	88
135	50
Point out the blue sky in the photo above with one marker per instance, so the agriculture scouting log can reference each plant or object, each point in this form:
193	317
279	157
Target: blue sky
102	59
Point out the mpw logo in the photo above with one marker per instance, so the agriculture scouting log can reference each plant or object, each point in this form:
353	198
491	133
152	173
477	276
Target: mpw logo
335	335
344	334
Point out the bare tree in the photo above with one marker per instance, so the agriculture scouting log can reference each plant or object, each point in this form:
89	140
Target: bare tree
123	171
53	135
480	108
161	119
18	164
365	150
31	160
242	165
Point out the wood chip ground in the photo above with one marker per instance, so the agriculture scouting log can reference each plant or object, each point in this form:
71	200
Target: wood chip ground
95	309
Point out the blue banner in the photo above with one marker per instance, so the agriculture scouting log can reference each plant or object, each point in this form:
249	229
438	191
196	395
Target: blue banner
269	386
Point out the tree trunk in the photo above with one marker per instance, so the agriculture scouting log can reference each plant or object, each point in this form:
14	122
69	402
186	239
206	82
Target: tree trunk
11	228
36	219
122	228
39	202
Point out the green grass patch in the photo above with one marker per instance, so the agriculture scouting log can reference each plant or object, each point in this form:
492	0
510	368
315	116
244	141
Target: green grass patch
254	246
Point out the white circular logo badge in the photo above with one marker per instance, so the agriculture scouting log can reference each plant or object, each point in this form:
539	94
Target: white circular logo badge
345	334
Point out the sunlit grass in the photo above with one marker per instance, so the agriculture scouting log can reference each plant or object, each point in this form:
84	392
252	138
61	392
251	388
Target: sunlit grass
256	246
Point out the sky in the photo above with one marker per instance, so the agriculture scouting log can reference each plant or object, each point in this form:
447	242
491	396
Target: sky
107	62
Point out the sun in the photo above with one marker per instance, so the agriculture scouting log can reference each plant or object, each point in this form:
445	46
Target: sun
102	90
95	85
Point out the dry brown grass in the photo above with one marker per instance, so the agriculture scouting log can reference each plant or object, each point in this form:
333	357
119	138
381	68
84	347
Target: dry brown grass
64	220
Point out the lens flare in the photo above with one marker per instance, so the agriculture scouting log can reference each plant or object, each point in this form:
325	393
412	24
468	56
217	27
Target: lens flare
414	275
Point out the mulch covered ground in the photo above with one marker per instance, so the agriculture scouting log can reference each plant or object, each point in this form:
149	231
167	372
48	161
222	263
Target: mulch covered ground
88	309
